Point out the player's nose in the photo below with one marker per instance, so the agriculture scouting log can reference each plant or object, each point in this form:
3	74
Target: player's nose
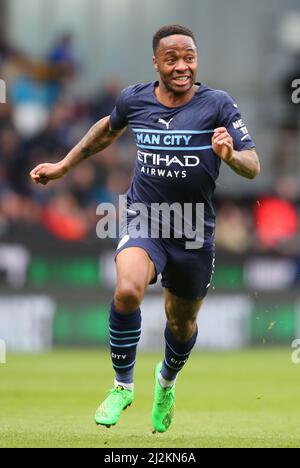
181	66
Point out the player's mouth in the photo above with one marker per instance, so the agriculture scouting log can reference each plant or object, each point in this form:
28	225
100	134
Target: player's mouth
181	80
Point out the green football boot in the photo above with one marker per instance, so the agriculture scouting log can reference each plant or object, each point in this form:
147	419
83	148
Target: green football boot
163	405
109	412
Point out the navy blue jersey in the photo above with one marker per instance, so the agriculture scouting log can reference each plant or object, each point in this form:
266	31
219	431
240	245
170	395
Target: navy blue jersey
175	161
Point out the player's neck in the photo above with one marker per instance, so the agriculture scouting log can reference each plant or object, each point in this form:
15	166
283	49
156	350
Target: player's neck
170	99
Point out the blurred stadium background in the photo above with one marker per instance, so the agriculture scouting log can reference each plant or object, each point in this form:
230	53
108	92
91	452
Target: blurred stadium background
64	64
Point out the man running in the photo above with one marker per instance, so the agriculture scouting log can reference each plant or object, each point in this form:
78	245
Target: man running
183	130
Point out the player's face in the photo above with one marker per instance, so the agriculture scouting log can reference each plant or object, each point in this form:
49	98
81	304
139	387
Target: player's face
176	61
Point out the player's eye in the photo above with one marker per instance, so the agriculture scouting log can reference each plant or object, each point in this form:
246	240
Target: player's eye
171	60
190	58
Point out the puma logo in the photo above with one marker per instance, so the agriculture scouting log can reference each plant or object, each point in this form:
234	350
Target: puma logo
166	123
123	241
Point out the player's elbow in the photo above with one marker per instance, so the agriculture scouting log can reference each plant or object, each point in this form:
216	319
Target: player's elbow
257	169
255	172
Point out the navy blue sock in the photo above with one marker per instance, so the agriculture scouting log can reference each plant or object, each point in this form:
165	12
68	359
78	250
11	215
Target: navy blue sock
124	332
176	354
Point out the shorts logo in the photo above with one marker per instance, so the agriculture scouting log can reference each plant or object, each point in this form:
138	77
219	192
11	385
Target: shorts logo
123	241
131	212
212	272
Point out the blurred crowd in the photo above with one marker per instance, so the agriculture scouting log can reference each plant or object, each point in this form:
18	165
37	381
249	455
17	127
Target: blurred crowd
268	223
43	120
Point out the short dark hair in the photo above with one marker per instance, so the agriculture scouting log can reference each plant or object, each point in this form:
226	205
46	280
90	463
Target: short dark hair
169	30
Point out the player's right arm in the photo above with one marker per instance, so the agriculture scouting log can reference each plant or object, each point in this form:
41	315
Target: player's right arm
99	137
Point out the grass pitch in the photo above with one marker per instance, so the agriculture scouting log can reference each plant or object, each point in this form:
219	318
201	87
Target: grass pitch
230	399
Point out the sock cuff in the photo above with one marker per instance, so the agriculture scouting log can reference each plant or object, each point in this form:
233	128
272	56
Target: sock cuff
124	319
124	316
121	322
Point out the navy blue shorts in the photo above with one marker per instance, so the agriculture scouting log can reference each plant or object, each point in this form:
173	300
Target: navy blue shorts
185	273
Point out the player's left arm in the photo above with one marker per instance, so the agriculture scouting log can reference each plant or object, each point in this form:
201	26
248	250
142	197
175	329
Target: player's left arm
245	162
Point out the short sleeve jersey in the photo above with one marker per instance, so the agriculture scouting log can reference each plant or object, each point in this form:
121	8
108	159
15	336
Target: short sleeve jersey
175	161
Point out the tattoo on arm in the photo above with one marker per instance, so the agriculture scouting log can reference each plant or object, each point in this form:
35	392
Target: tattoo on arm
86	152
98	137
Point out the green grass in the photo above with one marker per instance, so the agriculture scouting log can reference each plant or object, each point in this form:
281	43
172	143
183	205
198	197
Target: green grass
237	399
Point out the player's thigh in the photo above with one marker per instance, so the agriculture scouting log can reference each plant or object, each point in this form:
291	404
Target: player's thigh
134	268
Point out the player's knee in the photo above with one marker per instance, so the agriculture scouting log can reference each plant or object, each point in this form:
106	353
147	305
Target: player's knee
128	296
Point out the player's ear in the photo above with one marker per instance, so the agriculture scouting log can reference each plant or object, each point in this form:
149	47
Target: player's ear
155	63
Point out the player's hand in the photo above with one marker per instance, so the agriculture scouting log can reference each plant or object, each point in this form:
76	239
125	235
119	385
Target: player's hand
222	144
43	173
